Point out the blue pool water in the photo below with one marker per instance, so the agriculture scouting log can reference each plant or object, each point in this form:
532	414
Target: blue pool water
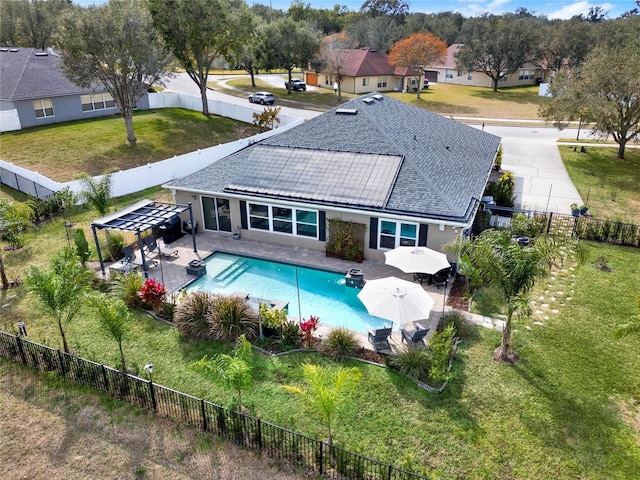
323	294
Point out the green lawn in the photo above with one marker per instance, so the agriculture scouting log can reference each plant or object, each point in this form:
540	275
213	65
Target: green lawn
99	145
569	409
608	185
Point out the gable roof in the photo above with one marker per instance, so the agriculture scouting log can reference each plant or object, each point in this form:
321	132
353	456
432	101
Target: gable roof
28	73
445	164
365	62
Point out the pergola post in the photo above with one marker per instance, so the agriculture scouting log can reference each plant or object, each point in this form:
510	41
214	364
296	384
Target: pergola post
193	228
95	238
145	267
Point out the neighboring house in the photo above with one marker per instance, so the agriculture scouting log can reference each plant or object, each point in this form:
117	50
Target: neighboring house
448	72
410	176
34	91
363	70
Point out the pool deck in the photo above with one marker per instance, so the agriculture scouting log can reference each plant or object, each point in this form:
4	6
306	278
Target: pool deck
172	271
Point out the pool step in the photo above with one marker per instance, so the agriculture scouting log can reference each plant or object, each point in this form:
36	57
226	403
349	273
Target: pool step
231	272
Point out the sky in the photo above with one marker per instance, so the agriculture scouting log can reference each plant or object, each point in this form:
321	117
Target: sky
551	8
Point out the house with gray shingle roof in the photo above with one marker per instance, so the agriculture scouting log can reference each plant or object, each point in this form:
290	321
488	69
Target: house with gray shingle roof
410	176
34	91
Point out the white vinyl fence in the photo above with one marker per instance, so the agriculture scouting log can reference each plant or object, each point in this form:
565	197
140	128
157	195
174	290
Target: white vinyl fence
157	173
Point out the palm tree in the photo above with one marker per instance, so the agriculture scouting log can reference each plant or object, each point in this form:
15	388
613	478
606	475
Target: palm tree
512	270
324	390
97	193
234	371
114	320
60	289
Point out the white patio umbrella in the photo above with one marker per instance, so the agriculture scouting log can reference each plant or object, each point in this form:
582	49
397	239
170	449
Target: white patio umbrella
396	300
417	260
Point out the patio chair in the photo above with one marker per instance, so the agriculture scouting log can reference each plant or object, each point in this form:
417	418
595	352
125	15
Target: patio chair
131	258
440	278
379	338
422	277
151	246
413	337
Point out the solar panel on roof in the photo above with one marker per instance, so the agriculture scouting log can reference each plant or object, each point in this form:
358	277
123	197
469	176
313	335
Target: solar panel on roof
346	178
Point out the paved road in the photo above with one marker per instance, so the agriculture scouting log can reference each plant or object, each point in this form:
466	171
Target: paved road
531	153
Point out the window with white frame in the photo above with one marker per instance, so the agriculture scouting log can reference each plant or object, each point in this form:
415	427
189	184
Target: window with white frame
43	108
503	78
449	74
97	101
525	75
397	234
469	76
327	81
382	82
365	82
459	73
279	219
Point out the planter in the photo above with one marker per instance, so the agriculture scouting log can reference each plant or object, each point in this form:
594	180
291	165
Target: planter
584	210
575	213
236	236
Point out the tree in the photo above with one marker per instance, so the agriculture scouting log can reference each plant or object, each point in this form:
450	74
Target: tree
333	57
564	45
325	390
97	192
417	51
116	45
114	318
289	44
388	8
234	371
60	289
15	218
496	45
199	31
378	33
611	101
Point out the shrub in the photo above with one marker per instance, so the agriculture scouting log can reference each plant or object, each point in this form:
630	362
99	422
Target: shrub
115	244
440	347
455	318
191	316
153	294
290	335
126	286
272	317
231	317
413	362
308	327
341	343
82	247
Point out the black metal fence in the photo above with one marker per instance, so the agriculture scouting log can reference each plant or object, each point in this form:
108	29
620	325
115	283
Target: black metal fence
585	228
313	455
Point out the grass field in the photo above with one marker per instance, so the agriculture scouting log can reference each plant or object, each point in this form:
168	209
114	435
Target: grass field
569	409
99	145
519	103
608	185
51	430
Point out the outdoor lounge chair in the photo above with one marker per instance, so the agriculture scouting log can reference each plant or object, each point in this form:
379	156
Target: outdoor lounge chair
151	246
413	337
131	258
379	338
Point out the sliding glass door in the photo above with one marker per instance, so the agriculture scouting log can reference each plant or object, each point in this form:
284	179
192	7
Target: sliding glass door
216	214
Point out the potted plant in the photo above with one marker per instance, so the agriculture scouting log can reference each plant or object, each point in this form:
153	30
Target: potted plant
583	209
575	210
236	233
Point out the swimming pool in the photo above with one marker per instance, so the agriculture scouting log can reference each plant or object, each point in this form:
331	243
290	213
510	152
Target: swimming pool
321	293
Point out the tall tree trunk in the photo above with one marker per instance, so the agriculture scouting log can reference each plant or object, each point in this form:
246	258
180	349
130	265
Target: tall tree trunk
253	78
203	96
505	346
3	275
495	84
622	143
65	347
128	121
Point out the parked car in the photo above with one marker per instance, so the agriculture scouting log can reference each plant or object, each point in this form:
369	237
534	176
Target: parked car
297	84
263	98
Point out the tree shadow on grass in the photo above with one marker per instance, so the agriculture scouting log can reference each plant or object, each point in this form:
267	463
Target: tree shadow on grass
444	107
581	425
